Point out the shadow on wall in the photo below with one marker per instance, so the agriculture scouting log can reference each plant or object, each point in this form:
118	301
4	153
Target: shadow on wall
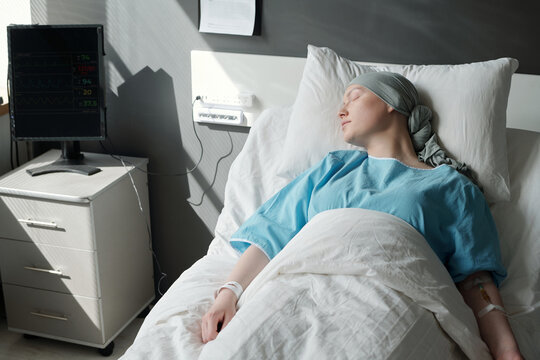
143	121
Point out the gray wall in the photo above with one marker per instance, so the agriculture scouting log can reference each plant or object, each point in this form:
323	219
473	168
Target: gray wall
148	46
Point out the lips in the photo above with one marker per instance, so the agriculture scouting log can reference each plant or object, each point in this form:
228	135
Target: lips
344	123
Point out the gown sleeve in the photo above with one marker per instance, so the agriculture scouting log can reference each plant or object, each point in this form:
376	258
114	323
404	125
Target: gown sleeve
476	240
282	216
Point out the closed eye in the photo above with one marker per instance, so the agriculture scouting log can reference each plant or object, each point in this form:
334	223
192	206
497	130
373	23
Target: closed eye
356	92
354	98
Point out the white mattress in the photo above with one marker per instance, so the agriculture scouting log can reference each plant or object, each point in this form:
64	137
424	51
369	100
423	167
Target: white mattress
172	329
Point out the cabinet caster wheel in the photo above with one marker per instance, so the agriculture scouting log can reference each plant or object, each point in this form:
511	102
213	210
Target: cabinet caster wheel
107	351
143	313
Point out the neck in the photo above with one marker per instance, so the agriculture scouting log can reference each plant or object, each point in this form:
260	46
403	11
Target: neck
392	143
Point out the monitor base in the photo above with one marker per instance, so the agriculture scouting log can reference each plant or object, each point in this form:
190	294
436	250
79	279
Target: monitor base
72	160
63	165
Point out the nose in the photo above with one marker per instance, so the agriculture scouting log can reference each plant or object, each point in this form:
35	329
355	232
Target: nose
342	112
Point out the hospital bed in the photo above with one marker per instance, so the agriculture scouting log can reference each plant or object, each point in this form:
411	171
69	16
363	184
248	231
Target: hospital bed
309	301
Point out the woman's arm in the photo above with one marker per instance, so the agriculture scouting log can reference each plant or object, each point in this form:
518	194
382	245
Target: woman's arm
494	327
270	228
252	261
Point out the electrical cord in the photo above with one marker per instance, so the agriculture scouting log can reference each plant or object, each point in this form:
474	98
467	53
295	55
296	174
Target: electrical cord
10	137
215	173
162	274
198	98
119	158
123	161
165	174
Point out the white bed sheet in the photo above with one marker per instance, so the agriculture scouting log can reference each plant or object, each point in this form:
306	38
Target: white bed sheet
252	180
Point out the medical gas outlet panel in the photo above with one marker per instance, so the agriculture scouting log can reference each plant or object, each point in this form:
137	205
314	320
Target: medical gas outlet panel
222	109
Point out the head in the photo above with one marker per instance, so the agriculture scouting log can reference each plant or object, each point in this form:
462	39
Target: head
377	105
382	106
365	116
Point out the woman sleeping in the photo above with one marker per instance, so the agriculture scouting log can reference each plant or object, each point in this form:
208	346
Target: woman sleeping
403	172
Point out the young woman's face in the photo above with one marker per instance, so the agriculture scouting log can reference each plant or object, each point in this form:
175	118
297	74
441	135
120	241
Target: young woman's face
361	114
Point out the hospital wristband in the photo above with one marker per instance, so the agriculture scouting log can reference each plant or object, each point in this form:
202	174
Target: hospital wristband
232	285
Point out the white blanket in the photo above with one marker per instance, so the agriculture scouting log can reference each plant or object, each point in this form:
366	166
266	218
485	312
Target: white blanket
352	284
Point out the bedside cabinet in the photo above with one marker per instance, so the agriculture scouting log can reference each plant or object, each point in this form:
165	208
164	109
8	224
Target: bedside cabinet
75	250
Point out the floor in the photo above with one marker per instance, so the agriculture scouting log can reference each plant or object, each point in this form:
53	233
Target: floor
14	346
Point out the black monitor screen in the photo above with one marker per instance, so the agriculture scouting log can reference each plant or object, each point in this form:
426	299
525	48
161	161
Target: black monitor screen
56	82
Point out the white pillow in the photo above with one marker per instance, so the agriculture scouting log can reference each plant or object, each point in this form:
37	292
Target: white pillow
468	103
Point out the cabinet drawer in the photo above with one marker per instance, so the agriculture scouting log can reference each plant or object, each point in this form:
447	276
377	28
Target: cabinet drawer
52	313
46	222
48	267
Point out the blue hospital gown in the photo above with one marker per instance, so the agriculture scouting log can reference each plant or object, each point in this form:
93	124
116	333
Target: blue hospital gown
440	203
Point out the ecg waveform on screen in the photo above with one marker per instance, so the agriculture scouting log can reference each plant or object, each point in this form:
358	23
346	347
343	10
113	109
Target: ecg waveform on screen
56	82
39	102
42	63
43	83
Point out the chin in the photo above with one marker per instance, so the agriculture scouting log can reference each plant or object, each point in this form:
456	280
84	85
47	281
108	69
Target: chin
352	141
347	139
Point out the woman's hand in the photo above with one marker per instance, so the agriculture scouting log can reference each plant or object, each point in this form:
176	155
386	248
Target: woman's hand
252	261
219	315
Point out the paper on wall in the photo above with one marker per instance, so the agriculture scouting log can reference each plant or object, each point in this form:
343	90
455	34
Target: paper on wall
227	16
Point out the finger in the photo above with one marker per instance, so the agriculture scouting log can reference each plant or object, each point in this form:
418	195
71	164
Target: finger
207	326
203	330
226	321
212	327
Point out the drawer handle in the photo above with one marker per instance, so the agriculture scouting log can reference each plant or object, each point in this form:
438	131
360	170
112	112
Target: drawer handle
63	318
51	224
55	272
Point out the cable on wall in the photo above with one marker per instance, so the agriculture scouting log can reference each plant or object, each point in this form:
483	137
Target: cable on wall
157	173
215	172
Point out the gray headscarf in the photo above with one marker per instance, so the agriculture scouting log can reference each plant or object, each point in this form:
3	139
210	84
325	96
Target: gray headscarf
398	92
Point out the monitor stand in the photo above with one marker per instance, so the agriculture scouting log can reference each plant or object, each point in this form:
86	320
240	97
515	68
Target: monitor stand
71	161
